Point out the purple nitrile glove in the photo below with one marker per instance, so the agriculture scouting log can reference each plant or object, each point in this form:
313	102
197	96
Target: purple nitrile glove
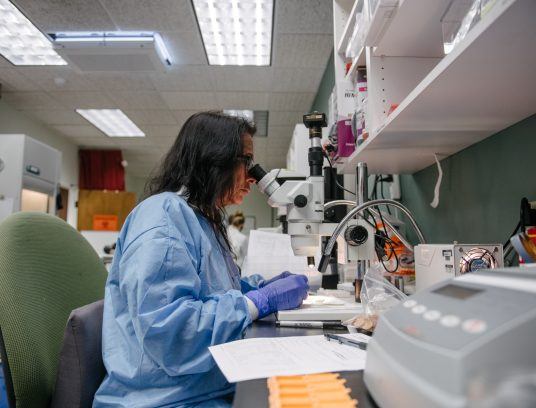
282	275
282	294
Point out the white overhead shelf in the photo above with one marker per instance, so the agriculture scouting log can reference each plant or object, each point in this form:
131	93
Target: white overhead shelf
349	27
484	85
414	30
358	61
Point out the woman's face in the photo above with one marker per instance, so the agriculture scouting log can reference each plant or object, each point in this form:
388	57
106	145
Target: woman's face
242	181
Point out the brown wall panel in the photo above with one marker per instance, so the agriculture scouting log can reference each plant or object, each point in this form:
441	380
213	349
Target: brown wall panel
93	202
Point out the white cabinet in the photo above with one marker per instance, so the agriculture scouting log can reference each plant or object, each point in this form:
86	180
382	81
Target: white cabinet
421	102
30	173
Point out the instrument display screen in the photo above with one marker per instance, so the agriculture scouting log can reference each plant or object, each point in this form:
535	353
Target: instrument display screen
456	291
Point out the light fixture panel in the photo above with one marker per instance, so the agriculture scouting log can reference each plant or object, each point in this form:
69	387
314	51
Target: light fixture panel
112	122
236	32
21	42
240	113
113	50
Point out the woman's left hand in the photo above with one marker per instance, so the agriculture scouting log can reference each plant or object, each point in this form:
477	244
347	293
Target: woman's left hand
282	275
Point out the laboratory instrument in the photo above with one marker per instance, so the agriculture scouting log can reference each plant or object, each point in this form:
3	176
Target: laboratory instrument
455	343
30	175
437	262
305	206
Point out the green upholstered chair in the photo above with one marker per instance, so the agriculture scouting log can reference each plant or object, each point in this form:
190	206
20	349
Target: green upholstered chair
47	269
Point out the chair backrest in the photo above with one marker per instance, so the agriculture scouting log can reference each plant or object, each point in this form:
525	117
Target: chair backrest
81	369
47	269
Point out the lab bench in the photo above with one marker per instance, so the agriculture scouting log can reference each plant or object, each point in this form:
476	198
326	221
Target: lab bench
254	393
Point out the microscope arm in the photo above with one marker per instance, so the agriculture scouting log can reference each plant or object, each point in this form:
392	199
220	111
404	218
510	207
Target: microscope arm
374	212
324	260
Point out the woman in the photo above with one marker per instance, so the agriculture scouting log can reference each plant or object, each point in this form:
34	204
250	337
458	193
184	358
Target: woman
238	241
173	289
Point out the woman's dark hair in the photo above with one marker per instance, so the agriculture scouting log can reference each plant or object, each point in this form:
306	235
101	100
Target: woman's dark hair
202	160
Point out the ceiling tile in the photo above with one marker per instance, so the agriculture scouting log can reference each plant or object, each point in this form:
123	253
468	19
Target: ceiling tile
5	63
182	115
61	78
297	79
96	142
137	100
151	117
300	50
304	16
151	15
12	80
291	101
160	131
185	48
140	143
241	78
280	132
164	143
31	100
190	100
121	81
161	102
183	78
80	131
57	116
83	100
243	100
66	15
278	118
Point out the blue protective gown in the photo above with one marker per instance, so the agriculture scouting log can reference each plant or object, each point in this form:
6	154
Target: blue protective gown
171	293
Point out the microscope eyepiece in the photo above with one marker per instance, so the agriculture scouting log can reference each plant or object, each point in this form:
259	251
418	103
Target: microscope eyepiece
257	172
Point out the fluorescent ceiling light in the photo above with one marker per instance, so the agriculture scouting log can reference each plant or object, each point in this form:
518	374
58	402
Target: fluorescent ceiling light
21	42
236	32
115	38
246	114
113	122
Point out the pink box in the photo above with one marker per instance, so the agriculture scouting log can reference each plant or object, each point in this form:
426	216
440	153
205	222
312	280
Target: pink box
345	138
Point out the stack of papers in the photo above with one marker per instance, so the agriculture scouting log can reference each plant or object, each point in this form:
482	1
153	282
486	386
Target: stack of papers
266	357
269	254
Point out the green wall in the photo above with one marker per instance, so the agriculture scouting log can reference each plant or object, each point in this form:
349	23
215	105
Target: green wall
327	83
481	190
482	185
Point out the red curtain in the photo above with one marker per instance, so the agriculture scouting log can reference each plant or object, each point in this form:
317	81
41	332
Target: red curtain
101	170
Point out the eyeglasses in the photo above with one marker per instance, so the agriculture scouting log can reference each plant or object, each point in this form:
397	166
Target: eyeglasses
247	160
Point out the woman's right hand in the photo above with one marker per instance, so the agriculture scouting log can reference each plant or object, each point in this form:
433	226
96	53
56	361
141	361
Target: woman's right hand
282	294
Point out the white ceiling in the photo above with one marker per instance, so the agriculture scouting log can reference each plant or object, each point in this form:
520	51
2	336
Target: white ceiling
159	103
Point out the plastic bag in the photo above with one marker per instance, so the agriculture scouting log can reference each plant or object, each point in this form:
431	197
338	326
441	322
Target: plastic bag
377	296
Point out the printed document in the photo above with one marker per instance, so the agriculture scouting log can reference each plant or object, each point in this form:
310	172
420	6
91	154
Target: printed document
250	359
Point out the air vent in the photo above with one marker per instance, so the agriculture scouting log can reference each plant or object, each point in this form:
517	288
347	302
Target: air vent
261	121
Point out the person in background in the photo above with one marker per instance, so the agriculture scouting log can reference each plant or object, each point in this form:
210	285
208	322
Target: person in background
173	289
238	240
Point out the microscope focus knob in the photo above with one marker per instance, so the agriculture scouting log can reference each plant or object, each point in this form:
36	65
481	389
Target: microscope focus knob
356	235
300	201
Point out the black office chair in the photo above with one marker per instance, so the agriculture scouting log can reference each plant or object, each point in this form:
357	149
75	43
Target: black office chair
81	369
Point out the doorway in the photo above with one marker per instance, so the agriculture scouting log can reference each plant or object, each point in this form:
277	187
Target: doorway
63	203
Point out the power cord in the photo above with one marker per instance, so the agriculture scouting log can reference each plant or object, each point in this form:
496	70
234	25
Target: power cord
336	182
